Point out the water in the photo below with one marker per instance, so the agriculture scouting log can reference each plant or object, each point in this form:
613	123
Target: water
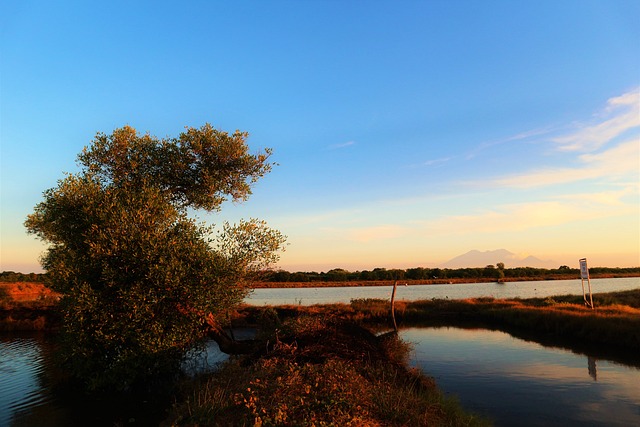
310	296
515	382
25	398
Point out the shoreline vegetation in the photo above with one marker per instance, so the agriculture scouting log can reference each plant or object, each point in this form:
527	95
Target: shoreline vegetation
433	276
339	364
338	277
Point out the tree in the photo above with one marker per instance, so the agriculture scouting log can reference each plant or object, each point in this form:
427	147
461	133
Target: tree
138	275
337	275
499	275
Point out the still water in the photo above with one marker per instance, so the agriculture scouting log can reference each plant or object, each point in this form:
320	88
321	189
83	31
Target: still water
520	383
310	296
24	393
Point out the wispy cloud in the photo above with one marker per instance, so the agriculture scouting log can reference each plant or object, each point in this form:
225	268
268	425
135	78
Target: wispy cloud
621	114
436	162
605	198
519	137
530	215
342	145
614	163
379	232
607	149
548	211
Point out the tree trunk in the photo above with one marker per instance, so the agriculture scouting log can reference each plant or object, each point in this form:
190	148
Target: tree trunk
227	344
393	307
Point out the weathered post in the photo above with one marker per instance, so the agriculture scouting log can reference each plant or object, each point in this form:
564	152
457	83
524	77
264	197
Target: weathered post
393	308
584	275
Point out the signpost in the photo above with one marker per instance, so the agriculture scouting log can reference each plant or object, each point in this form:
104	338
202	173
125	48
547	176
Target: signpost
584	275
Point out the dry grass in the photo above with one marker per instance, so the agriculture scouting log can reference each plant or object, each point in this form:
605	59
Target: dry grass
26	294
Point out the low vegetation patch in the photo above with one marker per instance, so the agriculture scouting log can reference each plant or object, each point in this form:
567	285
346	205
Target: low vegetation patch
320	371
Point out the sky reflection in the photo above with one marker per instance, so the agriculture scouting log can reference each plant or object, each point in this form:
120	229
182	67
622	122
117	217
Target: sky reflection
523	383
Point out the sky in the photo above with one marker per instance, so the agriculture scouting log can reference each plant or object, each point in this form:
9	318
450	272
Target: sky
406	133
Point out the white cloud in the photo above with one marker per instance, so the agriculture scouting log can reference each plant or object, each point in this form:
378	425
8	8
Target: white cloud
629	98
621	114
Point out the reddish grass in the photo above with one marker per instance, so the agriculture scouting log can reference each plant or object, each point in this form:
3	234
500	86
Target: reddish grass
26	292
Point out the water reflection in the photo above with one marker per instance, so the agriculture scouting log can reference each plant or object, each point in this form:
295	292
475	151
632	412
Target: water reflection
21	368
516	382
28	398
593	370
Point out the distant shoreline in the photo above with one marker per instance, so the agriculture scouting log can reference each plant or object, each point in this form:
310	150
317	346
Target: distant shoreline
31	291
362	283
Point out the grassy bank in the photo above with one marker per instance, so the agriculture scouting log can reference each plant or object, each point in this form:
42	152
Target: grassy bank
320	370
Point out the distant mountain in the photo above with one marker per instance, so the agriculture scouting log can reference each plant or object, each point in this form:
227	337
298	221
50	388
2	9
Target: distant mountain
481	259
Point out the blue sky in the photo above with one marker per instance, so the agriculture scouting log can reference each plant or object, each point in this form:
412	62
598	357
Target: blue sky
406	132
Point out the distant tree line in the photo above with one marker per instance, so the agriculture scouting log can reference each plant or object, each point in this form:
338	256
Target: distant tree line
12	277
421	273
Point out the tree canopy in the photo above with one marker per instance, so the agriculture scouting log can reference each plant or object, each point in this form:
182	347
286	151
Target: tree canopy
137	274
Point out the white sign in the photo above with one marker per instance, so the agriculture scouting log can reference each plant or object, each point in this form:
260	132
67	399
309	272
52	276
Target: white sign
584	271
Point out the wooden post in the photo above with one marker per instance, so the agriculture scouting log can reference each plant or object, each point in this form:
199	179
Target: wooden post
584	274
590	294
393	309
